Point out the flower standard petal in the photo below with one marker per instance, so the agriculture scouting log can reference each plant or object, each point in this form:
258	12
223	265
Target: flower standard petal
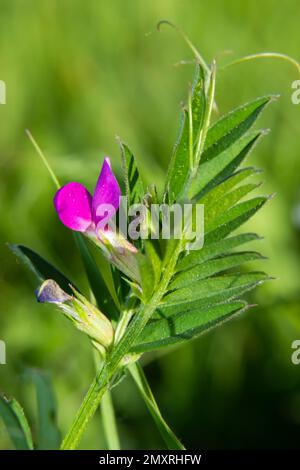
73	204
107	193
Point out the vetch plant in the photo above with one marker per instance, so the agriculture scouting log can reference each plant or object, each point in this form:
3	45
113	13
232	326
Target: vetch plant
163	294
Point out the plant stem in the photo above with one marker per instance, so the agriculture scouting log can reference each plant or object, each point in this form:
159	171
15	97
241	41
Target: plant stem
43	158
107	413
102	380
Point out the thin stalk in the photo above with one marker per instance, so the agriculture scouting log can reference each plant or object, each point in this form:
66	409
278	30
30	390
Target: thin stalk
264	55
109	422
191	143
166	432
187	40
43	158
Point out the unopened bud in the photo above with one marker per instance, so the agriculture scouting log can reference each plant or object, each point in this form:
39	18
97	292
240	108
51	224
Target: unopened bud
84	315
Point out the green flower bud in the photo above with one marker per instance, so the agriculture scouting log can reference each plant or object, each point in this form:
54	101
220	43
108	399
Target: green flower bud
80	311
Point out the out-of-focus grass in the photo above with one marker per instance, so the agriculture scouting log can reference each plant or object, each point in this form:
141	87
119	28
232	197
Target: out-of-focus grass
77	74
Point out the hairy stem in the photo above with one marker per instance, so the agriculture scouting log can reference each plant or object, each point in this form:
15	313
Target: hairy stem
103	378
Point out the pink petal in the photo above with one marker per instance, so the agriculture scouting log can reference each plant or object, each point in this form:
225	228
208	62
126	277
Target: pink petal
107	192
73	203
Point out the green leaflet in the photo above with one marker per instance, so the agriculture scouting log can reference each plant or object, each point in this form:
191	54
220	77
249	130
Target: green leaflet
147	275
218	192
155	260
211	213
212	250
225	290
213	172
229	128
40	267
198	101
203	289
220	199
133	182
238	210
234	218
134	190
179	167
16	423
211	267
210	86
48	433
184	326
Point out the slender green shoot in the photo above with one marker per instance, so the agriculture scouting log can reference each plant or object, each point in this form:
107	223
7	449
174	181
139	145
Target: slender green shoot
264	55
109	422
43	158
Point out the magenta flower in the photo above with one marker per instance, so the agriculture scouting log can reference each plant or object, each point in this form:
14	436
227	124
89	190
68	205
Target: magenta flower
82	212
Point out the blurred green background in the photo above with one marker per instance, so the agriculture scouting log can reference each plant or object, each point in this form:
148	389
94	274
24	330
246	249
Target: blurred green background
78	73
